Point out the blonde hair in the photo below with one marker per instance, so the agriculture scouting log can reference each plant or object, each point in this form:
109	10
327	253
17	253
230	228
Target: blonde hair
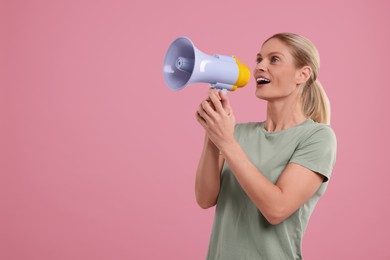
315	102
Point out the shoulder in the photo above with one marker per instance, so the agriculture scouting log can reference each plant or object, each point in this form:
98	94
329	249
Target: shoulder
319	139
317	149
319	133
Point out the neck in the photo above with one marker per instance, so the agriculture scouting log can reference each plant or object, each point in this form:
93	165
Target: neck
283	114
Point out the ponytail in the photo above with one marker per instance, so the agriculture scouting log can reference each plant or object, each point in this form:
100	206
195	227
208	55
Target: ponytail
315	103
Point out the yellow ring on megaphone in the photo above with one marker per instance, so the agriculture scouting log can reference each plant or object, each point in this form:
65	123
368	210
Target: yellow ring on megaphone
244	75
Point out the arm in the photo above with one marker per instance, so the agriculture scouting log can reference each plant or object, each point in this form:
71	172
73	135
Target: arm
275	201
208	174
207	181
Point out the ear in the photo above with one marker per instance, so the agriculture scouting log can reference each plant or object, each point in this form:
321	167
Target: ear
303	74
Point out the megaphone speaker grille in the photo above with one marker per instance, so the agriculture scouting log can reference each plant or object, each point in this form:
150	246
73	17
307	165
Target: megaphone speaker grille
179	63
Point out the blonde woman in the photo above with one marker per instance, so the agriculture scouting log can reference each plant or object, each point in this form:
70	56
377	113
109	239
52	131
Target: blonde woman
265	178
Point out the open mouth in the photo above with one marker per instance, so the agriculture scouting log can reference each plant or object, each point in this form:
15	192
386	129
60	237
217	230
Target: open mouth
262	81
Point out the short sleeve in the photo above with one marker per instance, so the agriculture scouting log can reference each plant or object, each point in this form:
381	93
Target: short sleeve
317	152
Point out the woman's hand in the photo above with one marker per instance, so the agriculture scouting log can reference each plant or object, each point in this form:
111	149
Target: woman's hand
216	116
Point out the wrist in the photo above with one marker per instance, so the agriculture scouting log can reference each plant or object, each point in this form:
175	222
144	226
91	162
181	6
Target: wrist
209	145
227	145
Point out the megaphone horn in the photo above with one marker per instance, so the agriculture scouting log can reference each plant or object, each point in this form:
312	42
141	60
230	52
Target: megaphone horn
184	64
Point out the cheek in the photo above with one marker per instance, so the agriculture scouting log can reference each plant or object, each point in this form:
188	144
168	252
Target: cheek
287	78
283	85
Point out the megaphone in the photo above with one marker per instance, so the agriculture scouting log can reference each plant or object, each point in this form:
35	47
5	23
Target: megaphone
184	64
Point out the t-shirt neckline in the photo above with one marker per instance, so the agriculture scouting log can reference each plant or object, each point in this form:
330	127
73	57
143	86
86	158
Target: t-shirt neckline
262	128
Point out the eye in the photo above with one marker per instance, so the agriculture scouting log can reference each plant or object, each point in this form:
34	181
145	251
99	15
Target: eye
258	60
274	59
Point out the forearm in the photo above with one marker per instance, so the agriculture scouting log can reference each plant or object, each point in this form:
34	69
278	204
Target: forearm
295	185
267	197
207	182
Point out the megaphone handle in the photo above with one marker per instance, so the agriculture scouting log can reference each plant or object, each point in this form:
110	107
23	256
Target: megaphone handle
223	90
219	85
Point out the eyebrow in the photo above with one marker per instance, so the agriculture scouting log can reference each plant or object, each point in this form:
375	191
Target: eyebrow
271	53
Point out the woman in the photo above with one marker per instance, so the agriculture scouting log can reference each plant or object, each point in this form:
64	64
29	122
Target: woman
267	177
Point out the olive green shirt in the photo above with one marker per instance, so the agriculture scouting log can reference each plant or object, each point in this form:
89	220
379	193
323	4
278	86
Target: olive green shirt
240	232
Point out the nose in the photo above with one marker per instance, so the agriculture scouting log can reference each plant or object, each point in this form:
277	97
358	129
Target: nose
261	66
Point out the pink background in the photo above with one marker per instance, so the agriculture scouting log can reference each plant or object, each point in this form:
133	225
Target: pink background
98	156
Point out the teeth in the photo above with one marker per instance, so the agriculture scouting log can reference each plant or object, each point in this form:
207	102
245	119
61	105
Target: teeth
262	80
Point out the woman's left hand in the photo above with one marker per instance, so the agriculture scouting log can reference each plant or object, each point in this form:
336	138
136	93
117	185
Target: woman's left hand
216	116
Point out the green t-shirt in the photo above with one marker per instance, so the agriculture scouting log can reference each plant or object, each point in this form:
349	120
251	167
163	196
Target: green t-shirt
240	232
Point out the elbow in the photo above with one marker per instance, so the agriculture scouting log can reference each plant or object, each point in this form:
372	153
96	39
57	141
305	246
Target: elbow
204	204
206	200
276	216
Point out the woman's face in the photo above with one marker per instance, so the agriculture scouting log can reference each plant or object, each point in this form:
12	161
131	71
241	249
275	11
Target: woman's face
275	73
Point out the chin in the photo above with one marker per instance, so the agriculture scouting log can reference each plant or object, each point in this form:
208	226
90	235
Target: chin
270	95
260	94
264	98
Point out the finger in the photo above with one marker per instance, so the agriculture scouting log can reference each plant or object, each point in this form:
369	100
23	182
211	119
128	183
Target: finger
208	110
198	117
206	119
200	112
213	90
216	100
201	121
210	102
225	103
